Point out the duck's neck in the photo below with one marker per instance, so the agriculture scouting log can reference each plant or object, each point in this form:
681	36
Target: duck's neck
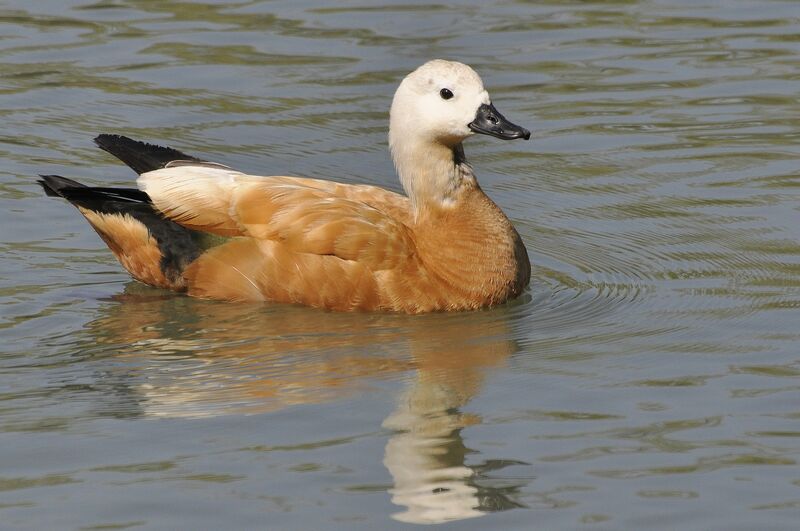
433	174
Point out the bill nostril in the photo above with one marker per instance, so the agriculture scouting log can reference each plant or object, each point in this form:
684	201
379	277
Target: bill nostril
493	119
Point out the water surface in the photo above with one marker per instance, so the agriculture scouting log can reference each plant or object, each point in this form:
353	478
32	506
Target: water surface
649	379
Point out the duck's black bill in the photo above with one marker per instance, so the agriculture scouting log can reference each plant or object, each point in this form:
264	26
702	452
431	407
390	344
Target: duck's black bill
489	121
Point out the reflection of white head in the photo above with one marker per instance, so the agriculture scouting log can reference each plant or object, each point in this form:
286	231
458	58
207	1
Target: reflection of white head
432	490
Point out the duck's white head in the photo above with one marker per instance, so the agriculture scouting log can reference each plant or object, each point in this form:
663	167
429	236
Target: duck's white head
435	108
445	102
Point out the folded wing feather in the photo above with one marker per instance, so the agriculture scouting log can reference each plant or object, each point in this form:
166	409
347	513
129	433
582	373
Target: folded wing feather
358	223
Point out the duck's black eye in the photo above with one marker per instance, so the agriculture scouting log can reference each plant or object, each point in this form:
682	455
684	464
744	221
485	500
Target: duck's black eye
446	94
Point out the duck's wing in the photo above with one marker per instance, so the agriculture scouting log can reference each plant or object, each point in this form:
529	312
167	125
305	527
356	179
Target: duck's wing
142	157
355	223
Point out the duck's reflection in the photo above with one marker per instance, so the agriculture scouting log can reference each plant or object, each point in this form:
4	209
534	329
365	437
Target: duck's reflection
184	357
426	456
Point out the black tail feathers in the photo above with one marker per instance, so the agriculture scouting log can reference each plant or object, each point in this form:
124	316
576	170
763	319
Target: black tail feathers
54	184
178	245
99	199
140	156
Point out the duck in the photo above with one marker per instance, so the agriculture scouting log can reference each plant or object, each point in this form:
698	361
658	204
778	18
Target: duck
209	231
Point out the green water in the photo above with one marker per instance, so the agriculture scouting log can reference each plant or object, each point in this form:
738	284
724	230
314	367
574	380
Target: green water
649	379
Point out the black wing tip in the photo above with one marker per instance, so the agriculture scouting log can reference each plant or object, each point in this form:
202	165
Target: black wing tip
105	136
141	157
113	143
108	141
104	140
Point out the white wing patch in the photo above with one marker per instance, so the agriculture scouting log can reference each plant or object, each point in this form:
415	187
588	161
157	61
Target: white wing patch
193	195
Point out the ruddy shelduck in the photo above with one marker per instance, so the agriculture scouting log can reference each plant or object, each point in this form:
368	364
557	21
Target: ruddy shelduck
208	230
